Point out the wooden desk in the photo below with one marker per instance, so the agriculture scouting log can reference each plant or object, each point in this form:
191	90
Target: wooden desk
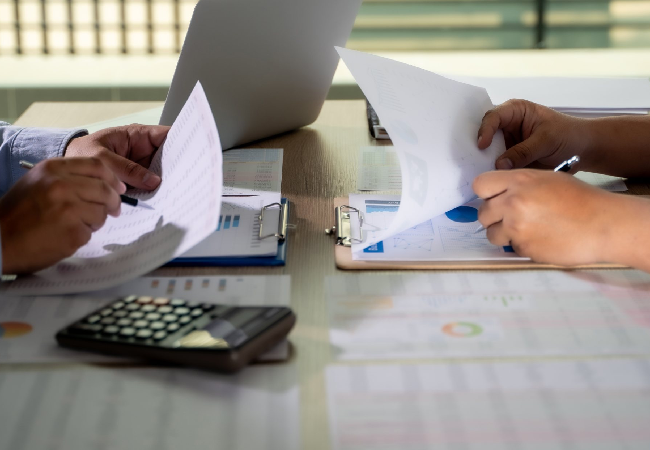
320	163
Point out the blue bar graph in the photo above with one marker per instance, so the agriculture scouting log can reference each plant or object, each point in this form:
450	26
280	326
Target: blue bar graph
219	225
235	222
226	223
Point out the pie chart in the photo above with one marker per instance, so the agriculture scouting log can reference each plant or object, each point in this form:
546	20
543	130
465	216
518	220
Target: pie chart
10	330
463	214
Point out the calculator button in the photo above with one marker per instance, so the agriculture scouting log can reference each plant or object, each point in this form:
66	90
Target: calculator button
192	304
170	318
130	299
136	315
177	302
111	330
117	305
120	314
159	335
181	311
144	300
124	322
148	308
185	319
94	318
173	327
160	301
144	334
84	328
141	324
196	312
132	306
207	307
152	316
157	325
108	321
127	332
106	312
165	309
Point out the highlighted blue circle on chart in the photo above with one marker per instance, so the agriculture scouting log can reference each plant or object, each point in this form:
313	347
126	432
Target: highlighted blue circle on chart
463	214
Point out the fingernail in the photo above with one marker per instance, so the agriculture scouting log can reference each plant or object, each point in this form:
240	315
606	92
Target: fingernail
151	180
122	187
504	164
479	140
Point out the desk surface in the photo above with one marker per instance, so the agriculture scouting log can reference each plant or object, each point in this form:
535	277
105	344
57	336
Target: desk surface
320	163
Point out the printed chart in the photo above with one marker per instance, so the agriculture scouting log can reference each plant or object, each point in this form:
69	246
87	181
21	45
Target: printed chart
487	314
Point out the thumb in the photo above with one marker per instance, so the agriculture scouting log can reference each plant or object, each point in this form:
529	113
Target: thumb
132	173
520	155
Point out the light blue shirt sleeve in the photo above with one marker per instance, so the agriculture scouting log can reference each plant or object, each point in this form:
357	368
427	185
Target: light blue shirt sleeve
29	144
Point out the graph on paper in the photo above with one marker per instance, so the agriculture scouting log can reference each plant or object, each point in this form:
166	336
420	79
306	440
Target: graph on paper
487	314
578	405
451	236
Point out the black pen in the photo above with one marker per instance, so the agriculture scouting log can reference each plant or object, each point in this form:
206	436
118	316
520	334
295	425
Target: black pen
564	167
125	198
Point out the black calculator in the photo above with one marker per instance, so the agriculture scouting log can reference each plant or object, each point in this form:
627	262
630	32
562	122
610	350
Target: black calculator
217	337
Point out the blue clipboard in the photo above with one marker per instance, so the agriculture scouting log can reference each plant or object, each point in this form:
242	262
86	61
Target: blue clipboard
277	260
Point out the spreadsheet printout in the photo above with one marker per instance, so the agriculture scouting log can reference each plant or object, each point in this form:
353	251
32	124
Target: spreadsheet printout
28	324
578	405
489	314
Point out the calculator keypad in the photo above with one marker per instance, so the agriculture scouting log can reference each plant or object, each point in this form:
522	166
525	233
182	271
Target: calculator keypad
143	319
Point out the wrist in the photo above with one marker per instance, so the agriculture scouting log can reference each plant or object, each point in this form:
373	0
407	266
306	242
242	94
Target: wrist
627	237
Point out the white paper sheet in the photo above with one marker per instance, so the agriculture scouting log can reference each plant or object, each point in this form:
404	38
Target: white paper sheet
28	324
147	117
150	409
252	169
489	314
581	405
379	170
433	122
185	211
238	229
448	237
568	93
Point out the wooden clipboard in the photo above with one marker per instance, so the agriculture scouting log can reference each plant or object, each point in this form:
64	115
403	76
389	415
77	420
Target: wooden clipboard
343	257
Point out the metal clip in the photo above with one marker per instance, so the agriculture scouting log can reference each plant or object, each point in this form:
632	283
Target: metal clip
282	222
343	228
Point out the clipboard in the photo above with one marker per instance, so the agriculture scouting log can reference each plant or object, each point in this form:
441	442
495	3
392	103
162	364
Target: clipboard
280	233
343	252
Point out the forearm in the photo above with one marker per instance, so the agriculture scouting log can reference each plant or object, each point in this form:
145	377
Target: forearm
618	146
627	240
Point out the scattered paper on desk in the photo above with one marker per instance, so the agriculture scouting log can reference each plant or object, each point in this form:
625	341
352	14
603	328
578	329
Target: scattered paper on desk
28	324
543	405
451	236
433	123
487	314
148	409
147	117
252	169
379	170
185	211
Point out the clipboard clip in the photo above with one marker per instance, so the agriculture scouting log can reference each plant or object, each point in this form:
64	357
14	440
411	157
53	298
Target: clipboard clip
343	227
283	222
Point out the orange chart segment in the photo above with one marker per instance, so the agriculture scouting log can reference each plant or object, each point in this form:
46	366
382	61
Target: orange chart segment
10	330
462	329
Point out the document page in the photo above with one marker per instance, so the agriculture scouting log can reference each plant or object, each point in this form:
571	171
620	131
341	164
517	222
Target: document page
150	409
252	169
489	314
433	122
451	236
379	170
546	405
184	211
28	324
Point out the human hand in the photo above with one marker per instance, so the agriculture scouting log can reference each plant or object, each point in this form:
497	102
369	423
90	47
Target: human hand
554	218
533	134
126	150
53	210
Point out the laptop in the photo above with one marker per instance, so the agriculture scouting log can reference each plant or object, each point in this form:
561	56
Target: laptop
265	65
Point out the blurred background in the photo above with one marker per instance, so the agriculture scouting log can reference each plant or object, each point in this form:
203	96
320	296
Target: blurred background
73	50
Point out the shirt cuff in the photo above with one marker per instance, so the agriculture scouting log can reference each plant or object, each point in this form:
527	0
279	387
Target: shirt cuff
37	144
